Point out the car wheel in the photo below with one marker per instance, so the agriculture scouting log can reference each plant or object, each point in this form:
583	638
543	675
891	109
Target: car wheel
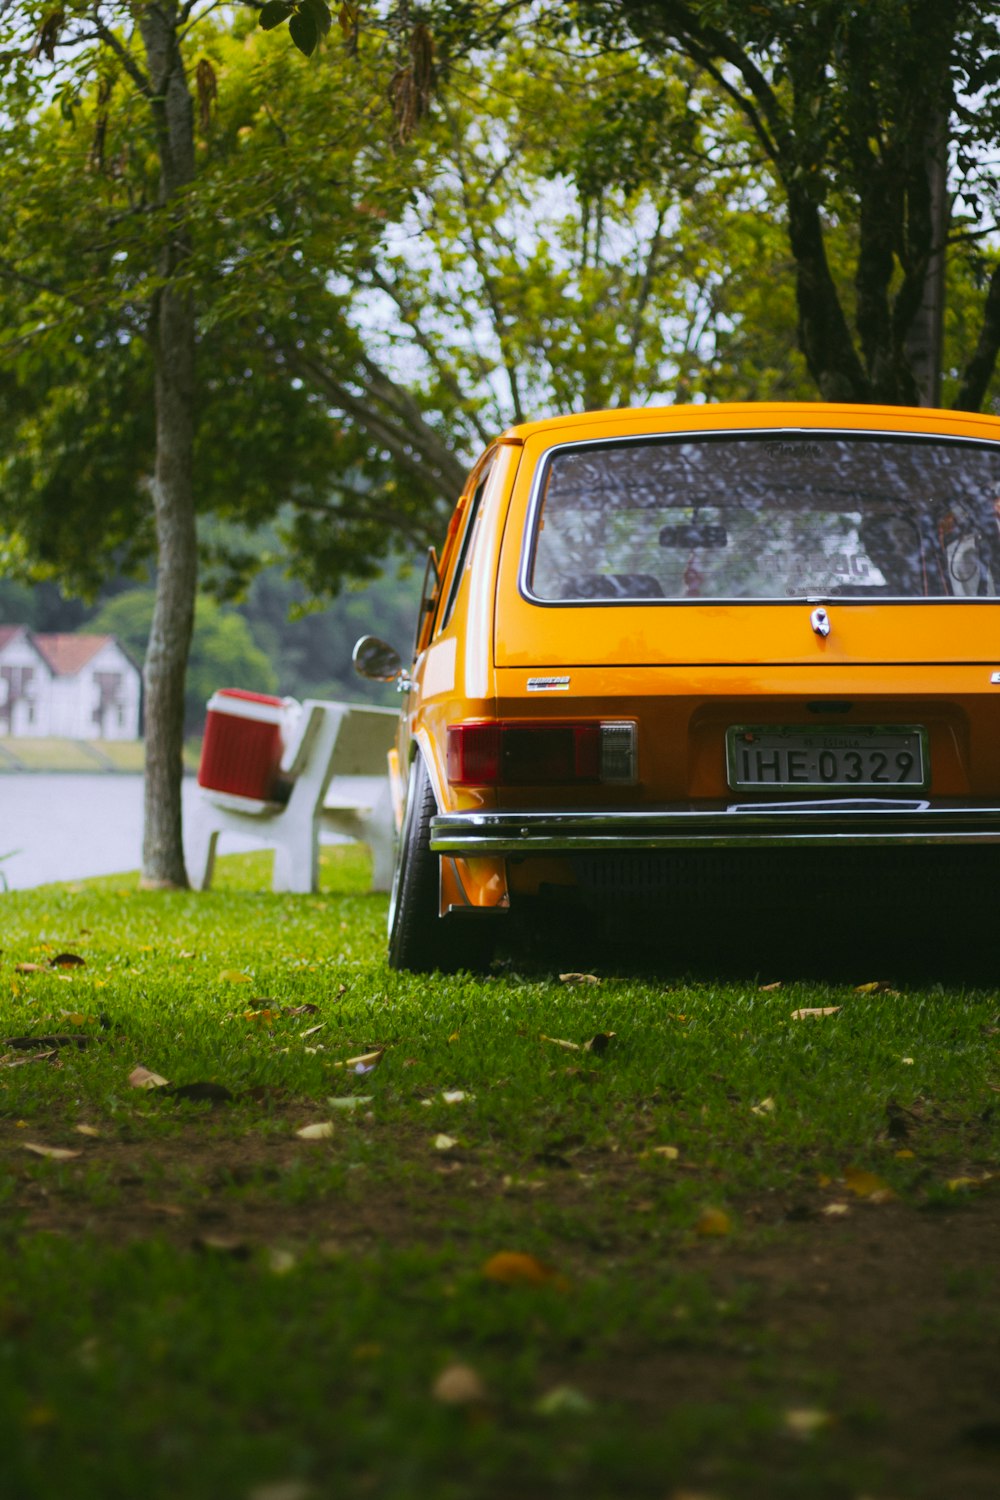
419	938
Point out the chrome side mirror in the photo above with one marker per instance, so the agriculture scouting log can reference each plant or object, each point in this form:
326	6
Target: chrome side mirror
376	660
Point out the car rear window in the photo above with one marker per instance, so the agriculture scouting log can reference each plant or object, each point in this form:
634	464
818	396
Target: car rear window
771	516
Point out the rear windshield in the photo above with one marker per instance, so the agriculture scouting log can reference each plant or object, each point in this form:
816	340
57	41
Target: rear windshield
778	516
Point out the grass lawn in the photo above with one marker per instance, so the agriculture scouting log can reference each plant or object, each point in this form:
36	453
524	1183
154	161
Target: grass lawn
728	1251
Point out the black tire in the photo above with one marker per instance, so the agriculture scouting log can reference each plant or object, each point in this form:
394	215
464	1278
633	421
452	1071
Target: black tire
419	937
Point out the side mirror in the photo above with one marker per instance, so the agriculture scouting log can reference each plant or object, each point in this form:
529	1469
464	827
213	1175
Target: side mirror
376	660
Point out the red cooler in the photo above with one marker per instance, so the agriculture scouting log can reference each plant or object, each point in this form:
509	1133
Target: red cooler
242	748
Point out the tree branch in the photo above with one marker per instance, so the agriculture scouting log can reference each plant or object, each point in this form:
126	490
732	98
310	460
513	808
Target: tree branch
411	440
111	41
425	343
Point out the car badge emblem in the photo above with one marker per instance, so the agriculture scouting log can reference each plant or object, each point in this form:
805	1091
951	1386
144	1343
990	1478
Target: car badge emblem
820	621
548	684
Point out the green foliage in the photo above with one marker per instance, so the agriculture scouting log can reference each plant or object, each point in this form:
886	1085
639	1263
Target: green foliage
291	161
849	107
586	233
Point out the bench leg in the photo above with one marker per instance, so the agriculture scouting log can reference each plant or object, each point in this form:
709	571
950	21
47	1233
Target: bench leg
380	836
203	836
296	858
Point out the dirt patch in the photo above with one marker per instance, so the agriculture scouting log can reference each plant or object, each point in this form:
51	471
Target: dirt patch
884	1318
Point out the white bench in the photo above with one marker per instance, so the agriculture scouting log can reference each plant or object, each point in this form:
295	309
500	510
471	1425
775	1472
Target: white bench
337	765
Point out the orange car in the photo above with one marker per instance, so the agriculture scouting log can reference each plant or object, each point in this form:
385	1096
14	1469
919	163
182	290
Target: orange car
675	653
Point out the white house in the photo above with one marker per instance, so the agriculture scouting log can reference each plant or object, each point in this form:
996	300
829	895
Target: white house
25	678
84	687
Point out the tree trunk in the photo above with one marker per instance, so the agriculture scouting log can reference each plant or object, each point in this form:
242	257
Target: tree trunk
925	337
172	334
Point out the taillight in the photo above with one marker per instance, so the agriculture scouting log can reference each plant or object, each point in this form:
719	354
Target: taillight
505	752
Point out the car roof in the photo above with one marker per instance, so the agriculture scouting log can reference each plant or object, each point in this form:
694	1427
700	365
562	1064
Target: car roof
759	415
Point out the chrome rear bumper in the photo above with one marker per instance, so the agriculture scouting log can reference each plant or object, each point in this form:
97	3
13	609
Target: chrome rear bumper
734	825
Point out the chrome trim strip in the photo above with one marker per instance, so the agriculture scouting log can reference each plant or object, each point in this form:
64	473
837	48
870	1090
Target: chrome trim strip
734	825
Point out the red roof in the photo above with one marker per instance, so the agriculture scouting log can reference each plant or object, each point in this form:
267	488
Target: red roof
7	633
67	654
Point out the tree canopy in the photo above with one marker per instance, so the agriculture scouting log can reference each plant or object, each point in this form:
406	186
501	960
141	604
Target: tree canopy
878	119
301	292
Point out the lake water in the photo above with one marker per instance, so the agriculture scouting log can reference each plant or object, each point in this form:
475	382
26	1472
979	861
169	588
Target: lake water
66	827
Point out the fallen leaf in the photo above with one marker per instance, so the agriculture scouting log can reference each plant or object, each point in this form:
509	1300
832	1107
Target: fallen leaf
600	1043
835	1210
712	1223
958	1184
307	1008
515	1268
280	1261
370	1350
775	985
321	1131
907	1060
283	1489
222	1244
459	1385
55	1153
905	1155
234	976
455	1036
142	1078
556	1041
27	1042
262	1017
452	1096
765	1107
90	1130
805	1421
363	1063
670	1152
563	1401
10	1061
67	961
312	1030
30	968
578	979
864	1184
350	1101
815	1010
444	1142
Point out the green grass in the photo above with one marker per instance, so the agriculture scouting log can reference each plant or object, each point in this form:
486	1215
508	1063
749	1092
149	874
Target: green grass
202	1303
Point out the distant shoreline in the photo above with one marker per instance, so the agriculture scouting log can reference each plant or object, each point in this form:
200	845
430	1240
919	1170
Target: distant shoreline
22	756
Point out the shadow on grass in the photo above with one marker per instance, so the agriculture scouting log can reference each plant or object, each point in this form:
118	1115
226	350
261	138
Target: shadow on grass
849	915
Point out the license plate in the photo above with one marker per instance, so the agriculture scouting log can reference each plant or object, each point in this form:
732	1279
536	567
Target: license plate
767	755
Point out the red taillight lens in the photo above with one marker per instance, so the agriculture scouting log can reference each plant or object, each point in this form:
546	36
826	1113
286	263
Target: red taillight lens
504	753
474	754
